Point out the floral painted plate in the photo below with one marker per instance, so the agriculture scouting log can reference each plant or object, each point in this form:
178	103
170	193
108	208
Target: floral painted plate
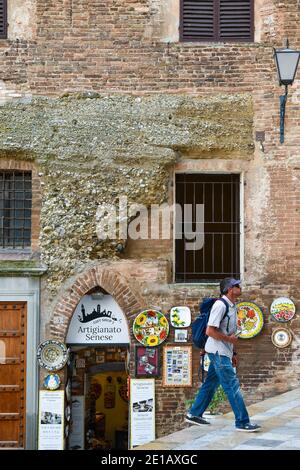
250	319
180	317
151	327
281	338
282	309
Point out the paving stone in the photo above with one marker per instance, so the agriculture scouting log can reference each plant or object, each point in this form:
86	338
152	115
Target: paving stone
263	442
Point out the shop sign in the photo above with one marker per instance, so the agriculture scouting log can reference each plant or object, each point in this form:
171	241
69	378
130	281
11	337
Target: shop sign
142	411
98	322
51	420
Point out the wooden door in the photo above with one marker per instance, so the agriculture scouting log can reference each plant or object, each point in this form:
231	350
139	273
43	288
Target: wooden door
12	374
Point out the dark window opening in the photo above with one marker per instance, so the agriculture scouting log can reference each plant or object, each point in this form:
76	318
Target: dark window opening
219	255
3	19
217	20
15	209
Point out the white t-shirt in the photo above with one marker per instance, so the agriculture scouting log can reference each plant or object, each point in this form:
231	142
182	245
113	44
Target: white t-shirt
228	326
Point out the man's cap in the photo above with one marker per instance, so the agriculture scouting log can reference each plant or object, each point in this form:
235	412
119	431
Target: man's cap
227	283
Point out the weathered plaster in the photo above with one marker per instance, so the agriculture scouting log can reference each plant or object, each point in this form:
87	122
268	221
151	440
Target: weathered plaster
92	149
21	19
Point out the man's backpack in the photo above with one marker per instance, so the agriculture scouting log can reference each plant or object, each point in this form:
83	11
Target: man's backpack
199	325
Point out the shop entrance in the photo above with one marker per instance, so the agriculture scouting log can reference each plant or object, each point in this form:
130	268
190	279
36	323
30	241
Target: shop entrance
97	388
96	384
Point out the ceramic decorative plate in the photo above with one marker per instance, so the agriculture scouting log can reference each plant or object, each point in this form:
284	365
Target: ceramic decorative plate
68	413
281	338
68	390
52	381
283	309
180	317
250	319
151	327
52	355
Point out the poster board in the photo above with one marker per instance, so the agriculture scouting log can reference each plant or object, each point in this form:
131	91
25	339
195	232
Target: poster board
51	420
142	411
177	366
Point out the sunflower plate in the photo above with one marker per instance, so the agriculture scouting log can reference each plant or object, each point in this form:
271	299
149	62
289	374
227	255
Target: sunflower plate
151	328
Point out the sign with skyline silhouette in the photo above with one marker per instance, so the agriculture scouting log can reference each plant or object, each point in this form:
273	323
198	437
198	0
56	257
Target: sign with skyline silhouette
98	321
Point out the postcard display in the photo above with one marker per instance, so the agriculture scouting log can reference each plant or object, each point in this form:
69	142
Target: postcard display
142	411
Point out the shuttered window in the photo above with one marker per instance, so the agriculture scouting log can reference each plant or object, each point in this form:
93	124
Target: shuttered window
217	20
217	253
3	19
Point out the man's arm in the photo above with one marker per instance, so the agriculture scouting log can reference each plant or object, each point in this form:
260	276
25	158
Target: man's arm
215	333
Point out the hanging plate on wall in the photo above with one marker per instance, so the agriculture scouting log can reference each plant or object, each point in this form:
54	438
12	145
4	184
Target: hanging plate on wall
282	309
281	338
52	382
52	355
151	327
250	319
180	317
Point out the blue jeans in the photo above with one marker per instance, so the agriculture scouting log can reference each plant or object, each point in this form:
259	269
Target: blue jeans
221	372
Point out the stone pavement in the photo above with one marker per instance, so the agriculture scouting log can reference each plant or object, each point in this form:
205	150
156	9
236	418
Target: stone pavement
279	417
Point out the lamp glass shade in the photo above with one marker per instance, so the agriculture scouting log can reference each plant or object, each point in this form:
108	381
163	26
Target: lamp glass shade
287	63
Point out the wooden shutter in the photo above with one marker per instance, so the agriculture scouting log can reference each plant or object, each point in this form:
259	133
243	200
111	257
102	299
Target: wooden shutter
197	20
217	20
12	374
3	19
236	20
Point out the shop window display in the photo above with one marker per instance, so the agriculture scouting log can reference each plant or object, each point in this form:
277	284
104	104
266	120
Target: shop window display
102	382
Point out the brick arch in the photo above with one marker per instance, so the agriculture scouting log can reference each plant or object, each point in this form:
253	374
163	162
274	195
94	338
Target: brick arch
109	279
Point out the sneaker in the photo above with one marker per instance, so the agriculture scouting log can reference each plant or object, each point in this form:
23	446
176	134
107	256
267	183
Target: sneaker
196	420
248	427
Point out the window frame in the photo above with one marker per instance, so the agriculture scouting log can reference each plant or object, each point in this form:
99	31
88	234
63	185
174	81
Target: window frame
216	38
26	244
3	35
240	248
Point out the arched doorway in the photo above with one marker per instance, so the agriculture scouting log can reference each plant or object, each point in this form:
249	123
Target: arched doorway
99	341
97	332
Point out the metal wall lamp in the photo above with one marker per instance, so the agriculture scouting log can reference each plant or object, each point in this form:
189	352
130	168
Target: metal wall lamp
286	60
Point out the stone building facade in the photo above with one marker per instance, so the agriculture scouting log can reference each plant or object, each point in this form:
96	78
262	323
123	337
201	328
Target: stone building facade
102	99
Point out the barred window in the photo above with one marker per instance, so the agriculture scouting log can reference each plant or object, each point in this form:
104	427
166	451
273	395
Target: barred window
218	256
15	209
3	19
217	20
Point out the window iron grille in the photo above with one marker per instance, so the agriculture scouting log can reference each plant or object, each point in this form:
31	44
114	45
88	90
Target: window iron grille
15	209
220	255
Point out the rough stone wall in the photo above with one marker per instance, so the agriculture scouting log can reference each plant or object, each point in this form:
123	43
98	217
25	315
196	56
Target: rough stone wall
124	142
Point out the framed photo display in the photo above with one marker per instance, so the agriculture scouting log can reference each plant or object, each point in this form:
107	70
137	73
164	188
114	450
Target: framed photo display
146	362
177	366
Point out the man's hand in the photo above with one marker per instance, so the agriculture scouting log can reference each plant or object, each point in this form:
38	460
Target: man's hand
233	339
235	361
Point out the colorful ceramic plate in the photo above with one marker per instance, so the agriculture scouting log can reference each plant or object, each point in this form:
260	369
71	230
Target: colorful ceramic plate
281	338
151	328
250	319
52	355
180	317
283	309
52	382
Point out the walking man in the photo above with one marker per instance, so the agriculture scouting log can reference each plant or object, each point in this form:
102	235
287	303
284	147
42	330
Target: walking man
221	348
